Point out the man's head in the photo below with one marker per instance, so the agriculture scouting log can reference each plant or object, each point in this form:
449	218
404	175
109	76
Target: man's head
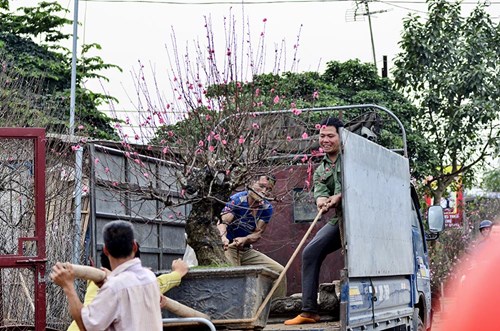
485	227
118	239
261	185
329	139
105	260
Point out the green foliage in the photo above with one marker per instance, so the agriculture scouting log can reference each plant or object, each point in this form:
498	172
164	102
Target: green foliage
343	83
45	70
39	21
449	67
491	181
482	208
455	244
445	254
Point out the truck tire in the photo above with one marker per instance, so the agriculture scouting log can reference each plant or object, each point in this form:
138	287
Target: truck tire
418	324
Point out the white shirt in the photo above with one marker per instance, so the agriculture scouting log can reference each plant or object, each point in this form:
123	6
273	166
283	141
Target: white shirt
128	301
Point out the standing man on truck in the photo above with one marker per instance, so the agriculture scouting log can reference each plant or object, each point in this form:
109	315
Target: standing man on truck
129	297
328	194
243	221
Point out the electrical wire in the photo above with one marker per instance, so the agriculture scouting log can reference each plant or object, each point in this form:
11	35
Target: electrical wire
392	2
214	2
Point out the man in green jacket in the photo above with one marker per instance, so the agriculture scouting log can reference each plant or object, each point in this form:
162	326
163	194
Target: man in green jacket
328	194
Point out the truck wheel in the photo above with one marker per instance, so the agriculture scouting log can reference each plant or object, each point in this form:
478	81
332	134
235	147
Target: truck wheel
418	324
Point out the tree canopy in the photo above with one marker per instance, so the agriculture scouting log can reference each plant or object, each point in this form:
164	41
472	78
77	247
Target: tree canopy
342	83
491	181
44	67
449	67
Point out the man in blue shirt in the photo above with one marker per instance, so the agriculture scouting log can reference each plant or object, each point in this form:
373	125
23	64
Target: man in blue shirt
243	221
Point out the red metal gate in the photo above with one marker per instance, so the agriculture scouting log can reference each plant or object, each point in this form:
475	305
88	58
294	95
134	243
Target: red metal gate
22	188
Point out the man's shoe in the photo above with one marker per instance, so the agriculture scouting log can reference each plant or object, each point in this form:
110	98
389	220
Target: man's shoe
301	320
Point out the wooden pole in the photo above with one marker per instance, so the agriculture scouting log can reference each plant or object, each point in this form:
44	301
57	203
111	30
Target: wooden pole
283	273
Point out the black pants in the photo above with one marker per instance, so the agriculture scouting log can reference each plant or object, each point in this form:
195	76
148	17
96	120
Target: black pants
326	241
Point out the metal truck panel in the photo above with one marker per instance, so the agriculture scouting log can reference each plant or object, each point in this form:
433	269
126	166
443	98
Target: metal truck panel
377	209
379	300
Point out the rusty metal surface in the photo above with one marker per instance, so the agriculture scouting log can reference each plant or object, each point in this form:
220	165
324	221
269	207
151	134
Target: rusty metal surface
31	252
324	326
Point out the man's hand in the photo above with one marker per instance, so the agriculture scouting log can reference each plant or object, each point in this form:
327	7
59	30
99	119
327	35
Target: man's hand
324	203
239	242
321	202
225	242
62	274
180	266
107	272
163	301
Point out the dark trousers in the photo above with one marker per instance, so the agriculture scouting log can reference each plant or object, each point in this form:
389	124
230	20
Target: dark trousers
326	241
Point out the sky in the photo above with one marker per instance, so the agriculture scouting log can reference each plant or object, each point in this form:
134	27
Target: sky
142	31
130	31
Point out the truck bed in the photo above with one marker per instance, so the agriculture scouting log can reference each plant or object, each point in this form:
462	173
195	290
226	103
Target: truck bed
324	326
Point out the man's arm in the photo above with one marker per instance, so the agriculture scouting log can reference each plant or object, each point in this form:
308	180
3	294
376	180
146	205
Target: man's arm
63	275
173	279
252	237
257	234
226	218
321	191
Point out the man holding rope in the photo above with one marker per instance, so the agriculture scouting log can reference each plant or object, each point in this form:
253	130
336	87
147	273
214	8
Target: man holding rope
243	221
128	299
328	194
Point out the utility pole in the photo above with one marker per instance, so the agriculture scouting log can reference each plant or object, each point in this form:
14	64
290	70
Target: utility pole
73	71
360	11
79	150
371	32
385	70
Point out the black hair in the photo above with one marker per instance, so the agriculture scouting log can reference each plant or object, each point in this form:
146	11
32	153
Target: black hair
105	260
332	121
256	177
118	238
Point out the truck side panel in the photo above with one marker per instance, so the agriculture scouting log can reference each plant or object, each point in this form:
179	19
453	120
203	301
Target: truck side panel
377	209
386	300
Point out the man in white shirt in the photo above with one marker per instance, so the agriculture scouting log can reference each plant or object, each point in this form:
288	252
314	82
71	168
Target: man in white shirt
129	298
